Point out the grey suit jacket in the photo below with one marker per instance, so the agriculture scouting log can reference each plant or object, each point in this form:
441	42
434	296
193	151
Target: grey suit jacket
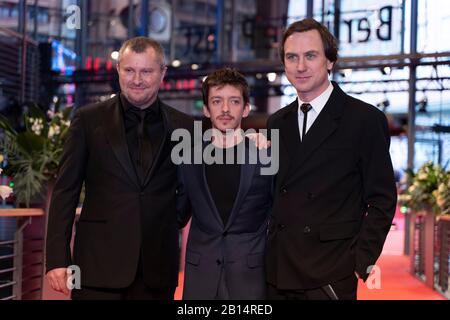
228	256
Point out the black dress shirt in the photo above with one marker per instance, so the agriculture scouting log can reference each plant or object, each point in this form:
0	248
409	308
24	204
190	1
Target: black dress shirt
144	130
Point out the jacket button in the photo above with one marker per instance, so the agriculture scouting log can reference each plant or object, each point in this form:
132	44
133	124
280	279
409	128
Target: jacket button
218	262
284	191
306	229
281	226
225	233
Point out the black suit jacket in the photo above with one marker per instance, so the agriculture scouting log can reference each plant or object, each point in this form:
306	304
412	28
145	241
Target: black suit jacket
335	194
230	254
120	217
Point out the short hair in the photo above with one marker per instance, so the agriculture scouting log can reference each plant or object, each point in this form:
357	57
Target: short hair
329	41
222	77
141	44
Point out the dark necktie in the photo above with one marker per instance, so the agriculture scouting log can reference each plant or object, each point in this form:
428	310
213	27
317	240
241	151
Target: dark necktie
305	107
144	147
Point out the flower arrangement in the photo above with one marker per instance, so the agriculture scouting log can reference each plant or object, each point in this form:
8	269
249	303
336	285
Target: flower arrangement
442	195
428	188
33	155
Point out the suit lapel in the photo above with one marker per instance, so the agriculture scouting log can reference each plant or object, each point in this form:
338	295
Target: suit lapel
324	126
115	133
245	181
201	176
290	139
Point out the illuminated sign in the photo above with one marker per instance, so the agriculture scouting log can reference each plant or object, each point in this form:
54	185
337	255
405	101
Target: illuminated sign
370	28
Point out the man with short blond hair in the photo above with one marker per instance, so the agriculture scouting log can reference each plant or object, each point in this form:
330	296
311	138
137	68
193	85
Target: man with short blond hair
126	242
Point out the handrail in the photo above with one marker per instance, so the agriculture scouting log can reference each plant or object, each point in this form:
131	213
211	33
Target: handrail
26	212
3	243
21	212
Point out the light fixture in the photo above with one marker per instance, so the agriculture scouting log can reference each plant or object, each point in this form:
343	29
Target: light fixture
176	63
194	66
115	55
347	72
386	71
423	104
383	105
271	76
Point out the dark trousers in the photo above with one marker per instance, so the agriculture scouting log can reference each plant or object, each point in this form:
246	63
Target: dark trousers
138	290
344	289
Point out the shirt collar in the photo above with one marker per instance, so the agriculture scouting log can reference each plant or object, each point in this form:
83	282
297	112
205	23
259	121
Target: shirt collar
319	102
153	108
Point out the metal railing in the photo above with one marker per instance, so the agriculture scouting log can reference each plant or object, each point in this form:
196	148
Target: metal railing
442	277
22	256
430	250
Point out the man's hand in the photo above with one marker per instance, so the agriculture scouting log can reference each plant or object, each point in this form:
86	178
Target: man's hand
58	280
260	140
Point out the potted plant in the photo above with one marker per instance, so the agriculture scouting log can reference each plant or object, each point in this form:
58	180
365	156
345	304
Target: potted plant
421	195
33	155
442	195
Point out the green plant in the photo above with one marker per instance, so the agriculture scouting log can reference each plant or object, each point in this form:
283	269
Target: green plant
5	191
33	155
442	195
423	187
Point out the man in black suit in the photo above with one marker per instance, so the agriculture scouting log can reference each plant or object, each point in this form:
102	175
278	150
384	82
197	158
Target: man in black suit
230	197
335	191
126	242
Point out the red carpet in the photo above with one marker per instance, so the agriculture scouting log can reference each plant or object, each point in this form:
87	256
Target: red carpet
396	281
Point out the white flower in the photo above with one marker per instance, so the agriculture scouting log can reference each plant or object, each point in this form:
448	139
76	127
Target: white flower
53	130
1	170
5	191
404	197
37	125
422	176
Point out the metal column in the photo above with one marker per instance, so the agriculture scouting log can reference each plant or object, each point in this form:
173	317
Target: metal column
411	109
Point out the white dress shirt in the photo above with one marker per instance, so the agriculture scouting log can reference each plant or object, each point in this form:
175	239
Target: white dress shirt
317	105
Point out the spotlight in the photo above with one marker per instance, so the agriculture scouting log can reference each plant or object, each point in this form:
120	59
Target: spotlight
347	72
386	71
423	104
115	55
271	76
176	63
194	66
383	105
